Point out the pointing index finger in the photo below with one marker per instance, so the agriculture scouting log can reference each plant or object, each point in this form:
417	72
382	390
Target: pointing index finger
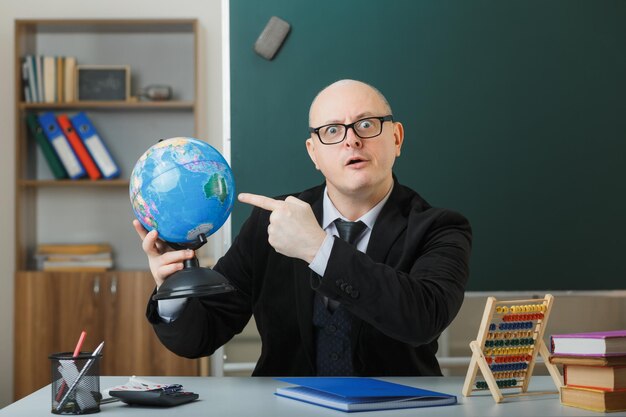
261	201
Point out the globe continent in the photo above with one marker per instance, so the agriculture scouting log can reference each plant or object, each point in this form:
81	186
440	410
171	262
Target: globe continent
182	187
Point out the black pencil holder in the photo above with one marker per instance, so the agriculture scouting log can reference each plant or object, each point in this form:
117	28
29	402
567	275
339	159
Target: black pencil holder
75	383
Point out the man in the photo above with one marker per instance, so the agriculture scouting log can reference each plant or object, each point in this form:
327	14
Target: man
324	305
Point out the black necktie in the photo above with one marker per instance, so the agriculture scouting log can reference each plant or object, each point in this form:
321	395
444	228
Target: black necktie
333	324
349	231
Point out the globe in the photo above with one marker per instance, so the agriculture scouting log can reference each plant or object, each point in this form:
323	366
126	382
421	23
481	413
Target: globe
182	187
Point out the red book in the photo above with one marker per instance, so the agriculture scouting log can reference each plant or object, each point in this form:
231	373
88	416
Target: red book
79	147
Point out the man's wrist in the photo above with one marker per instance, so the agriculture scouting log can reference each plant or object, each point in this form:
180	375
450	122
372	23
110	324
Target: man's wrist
320	261
169	310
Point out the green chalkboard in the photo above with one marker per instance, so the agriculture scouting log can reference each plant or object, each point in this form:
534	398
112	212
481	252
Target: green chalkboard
514	113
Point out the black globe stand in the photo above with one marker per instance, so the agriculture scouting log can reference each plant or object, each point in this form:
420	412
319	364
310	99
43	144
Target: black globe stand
192	280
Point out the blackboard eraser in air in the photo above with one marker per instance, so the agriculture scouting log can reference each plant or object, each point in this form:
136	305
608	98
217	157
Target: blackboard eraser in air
272	38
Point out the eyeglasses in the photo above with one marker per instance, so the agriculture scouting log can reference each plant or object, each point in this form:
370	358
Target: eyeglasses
366	128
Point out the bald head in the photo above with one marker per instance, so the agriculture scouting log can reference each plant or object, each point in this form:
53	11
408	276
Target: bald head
340	89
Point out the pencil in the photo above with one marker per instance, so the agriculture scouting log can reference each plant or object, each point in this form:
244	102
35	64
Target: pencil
79	345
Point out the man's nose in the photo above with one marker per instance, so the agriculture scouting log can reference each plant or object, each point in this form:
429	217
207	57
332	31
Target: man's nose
352	140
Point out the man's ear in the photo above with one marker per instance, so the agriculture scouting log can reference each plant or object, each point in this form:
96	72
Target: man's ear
398	134
310	148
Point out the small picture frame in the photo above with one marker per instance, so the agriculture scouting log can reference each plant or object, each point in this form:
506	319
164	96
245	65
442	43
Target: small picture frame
103	82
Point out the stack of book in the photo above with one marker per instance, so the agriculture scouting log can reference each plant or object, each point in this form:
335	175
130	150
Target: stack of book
594	369
49	79
88	257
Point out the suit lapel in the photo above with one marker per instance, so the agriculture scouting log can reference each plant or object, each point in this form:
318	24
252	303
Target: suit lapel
388	227
304	293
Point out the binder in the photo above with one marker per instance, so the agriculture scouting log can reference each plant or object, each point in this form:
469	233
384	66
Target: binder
55	164
61	145
360	394
79	148
98	150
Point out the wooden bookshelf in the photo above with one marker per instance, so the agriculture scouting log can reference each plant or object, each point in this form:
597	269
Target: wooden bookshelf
111	305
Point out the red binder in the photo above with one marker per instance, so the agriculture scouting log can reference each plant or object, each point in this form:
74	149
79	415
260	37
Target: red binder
79	147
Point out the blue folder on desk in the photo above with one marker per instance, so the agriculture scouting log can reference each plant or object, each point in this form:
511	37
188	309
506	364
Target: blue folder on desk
360	394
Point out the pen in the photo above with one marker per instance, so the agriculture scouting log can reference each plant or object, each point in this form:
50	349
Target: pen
79	345
80	375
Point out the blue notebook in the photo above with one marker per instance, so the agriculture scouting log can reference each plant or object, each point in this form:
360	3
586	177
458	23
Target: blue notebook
360	394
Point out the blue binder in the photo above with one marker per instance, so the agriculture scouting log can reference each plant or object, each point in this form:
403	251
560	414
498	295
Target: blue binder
351	394
95	145
61	145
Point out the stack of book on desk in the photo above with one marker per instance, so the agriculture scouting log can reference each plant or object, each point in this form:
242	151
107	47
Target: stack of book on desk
594	369
87	257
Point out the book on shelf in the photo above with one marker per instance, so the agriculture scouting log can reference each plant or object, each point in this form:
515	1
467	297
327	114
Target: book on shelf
61	145
26	80
60	79
36	131
74	257
79	147
38	62
351	394
76	268
73	248
611	343
94	143
69	82
49	79
29	78
93	265
593	399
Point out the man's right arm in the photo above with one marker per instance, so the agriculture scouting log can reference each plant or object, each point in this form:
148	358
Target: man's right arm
199	325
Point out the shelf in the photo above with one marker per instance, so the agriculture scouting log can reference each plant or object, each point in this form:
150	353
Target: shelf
126	105
108	25
73	183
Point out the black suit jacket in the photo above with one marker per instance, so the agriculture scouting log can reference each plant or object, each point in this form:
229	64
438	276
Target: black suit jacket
402	293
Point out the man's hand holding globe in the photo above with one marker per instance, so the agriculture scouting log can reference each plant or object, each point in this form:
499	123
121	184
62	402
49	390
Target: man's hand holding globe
182	191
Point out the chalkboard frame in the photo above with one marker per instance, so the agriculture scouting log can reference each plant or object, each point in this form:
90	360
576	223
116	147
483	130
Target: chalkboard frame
89	77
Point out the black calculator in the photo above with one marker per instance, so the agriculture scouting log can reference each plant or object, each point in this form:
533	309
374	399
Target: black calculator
155	398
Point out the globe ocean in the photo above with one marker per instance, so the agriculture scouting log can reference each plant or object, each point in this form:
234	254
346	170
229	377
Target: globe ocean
182	187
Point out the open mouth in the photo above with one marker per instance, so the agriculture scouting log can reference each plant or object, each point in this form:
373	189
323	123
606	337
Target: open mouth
355	160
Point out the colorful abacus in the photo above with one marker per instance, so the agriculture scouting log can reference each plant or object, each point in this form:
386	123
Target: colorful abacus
509	339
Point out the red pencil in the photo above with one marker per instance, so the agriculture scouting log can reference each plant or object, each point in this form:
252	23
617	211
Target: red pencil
79	345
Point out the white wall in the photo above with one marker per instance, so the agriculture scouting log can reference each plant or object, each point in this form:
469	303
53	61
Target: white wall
208	12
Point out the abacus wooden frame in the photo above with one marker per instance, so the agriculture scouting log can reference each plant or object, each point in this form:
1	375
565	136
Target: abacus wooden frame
479	360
